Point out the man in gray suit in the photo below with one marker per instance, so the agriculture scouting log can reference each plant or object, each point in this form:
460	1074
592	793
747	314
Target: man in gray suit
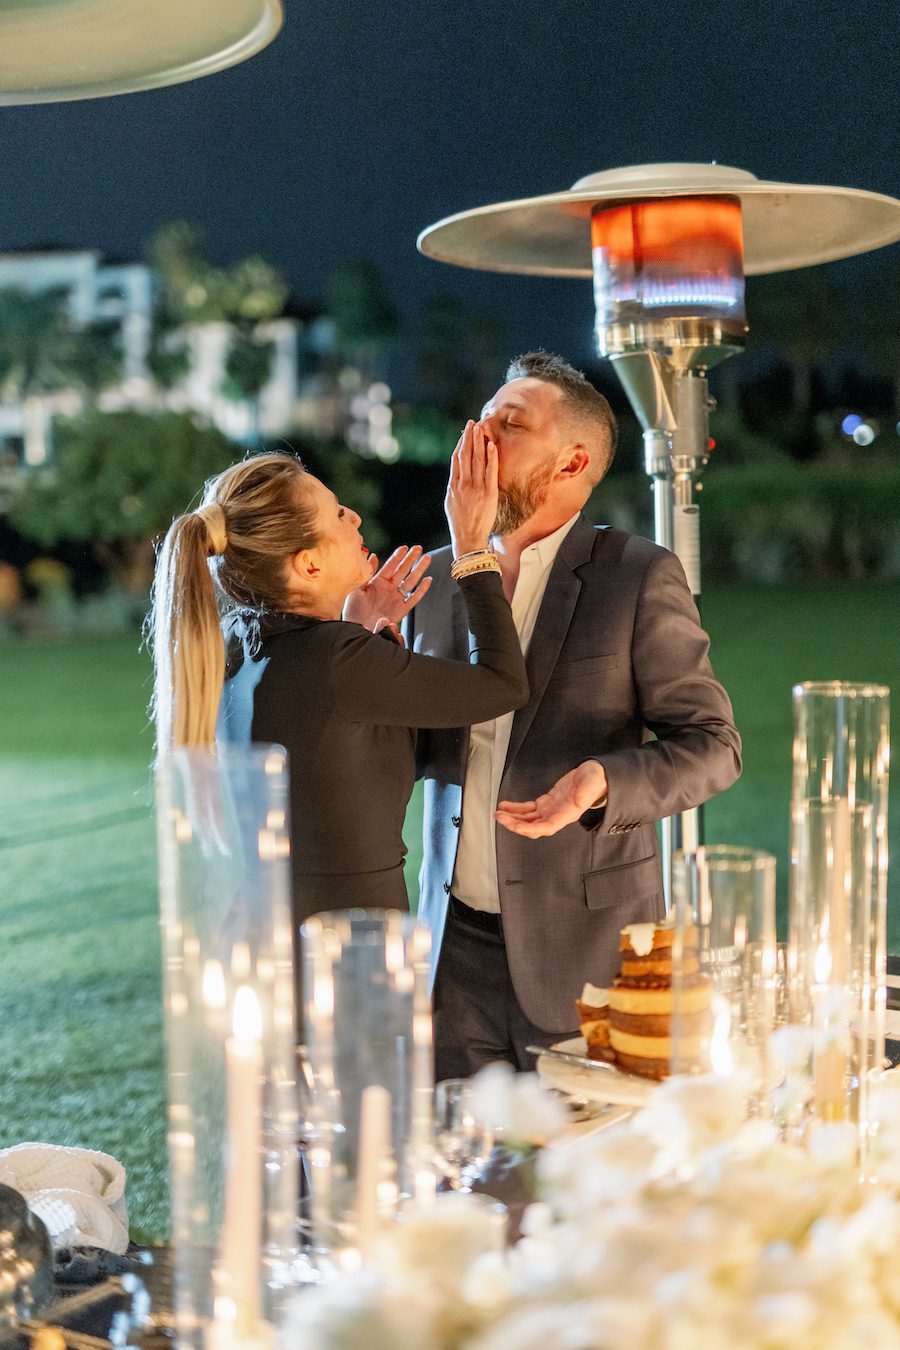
625	724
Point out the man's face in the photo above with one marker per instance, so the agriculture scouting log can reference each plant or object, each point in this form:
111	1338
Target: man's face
524	420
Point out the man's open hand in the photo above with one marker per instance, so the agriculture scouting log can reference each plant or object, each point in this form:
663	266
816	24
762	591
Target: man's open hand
568	799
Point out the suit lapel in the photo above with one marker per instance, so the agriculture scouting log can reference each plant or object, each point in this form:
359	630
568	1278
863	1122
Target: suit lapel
553	620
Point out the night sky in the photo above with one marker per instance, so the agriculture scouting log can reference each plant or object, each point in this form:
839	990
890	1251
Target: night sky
364	122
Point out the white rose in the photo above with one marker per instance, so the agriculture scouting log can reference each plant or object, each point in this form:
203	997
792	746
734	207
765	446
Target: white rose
517	1106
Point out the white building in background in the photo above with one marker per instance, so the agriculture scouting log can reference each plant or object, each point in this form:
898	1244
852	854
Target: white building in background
96	293
270	416
125	295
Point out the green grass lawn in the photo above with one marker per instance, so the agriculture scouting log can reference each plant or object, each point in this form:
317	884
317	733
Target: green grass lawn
80	1012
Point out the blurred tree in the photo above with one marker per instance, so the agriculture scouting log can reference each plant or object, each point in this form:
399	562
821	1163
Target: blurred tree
461	361
169	357
443	362
194	291
248	369
803	315
118	481
42	351
252	291
489	359
244	295
177	253
425	435
366	322
881	331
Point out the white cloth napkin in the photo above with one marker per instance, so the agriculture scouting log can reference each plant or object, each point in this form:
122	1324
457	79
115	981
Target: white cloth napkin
78	1192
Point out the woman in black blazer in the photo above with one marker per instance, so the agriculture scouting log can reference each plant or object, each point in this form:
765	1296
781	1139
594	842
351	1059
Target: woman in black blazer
273	557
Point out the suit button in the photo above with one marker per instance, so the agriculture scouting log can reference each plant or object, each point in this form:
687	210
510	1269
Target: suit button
446	887
456	820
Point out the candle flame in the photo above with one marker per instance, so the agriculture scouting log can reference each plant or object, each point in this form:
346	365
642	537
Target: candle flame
224	1309
822	964
394	951
323	993
213	985
240	960
246	1018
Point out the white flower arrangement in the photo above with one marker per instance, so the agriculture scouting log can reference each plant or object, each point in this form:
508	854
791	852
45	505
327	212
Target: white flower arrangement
685	1229
516	1107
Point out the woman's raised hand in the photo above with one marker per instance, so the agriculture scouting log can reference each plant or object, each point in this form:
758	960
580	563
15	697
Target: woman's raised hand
471	500
392	591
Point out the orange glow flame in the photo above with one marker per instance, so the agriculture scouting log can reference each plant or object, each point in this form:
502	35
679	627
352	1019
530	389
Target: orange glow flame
678	231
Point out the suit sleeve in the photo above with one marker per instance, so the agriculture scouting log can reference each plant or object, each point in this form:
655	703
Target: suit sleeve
380	682
697	750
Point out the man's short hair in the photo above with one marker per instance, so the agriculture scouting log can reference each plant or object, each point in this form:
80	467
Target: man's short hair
587	404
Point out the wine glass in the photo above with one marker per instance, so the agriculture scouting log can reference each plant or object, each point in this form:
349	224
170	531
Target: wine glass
462	1144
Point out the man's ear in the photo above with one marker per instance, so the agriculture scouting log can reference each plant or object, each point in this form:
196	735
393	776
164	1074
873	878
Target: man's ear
575	462
304	566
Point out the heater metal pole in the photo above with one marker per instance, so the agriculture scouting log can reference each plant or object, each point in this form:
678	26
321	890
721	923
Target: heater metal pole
690	455
672	403
673	461
658	463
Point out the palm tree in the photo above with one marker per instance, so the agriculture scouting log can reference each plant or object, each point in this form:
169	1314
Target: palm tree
248	369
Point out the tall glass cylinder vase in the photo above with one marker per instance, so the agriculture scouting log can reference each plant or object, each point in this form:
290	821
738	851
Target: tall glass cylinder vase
838	899
368	1036
229	1020
724	958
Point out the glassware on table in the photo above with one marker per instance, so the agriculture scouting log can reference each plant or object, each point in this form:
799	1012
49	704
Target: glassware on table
838	894
724	978
367	1023
462	1145
229	1022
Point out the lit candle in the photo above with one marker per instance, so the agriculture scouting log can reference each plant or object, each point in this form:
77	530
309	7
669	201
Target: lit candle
374	1144
242	1225
214	995
830	974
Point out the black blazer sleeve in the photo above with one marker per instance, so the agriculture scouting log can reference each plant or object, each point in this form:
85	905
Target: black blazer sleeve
380	682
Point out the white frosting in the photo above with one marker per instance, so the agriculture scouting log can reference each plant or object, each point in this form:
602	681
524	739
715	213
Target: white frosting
594	997
640	936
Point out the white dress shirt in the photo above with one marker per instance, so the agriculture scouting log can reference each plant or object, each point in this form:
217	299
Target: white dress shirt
475	876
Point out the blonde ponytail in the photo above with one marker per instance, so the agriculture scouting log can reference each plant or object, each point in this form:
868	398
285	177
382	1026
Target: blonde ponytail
188	650
229	554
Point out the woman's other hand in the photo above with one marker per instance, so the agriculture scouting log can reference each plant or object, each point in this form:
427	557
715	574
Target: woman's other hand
392	591
471	500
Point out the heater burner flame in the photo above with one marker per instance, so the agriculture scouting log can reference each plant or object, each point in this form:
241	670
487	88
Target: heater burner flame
675	258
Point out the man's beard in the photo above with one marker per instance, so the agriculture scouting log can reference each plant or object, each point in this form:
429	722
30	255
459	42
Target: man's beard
518	502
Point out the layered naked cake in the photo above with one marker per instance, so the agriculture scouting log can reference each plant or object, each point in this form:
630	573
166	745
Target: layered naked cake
631	1024
640	1001
593	1016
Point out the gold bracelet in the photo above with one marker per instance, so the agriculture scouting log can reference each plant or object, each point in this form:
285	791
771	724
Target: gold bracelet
475	553
486	562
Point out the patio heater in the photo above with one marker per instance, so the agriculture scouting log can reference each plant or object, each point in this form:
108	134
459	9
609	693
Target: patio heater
54	50
668	246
